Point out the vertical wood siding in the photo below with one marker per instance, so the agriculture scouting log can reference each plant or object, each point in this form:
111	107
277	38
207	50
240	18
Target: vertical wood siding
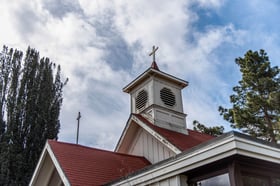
149	147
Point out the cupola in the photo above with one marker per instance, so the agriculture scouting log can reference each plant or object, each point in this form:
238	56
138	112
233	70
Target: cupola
157	96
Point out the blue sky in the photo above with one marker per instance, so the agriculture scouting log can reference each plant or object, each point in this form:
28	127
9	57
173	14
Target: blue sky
102	45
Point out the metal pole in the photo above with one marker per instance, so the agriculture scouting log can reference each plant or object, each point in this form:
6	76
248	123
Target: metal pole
78	118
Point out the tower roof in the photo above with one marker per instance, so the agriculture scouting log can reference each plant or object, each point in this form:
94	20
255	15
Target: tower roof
154	71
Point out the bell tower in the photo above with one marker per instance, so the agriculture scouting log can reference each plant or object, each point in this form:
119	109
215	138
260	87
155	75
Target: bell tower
157	96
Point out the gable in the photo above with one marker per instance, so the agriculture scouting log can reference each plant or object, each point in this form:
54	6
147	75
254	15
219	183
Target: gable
48	175
179	140
132	134
142	138
148	146
174	141
71	164
48	171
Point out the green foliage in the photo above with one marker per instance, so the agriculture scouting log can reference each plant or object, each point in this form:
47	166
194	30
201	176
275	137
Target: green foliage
213	131
30	102
256	99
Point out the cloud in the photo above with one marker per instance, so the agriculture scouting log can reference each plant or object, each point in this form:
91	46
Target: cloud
209	3
102	45
59	8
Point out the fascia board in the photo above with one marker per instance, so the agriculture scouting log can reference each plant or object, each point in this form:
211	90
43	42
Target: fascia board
47	150
188	160
150	72
123	134
57	166
257	150
39	165
159	137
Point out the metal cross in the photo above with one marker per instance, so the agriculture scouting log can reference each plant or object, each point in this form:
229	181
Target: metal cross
154	53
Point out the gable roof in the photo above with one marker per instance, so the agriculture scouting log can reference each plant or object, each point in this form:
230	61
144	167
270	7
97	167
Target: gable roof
181	141
175	141
90	166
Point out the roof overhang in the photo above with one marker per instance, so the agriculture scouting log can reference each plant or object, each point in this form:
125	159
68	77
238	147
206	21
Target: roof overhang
225	146
155	73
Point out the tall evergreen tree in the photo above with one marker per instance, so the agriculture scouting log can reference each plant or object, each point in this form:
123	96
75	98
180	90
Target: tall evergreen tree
255	103
30	102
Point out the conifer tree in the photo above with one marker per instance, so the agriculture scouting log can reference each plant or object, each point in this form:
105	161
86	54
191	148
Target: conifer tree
213	131
30	102
256	99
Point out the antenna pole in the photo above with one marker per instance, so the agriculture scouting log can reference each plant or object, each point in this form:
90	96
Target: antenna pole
78	118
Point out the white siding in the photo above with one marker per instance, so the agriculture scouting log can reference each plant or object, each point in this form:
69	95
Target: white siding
149	147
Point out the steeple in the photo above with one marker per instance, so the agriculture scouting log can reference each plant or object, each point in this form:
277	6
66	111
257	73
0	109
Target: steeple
158	97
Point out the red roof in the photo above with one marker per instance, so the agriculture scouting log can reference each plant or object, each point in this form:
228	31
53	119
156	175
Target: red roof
90	166
181	141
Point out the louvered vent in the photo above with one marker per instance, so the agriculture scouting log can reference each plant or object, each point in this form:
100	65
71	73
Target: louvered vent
141	99
167	97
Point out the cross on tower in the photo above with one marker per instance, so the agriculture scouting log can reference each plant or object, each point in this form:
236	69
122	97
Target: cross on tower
154	53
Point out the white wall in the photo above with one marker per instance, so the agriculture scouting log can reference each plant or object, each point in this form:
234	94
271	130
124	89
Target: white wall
149	147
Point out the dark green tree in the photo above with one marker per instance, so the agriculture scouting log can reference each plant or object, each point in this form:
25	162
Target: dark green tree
30	102
256	99
213	131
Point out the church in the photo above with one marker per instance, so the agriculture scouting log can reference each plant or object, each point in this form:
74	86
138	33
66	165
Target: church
156	149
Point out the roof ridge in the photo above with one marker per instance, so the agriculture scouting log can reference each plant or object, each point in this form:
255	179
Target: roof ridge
191	130
192	139
92	148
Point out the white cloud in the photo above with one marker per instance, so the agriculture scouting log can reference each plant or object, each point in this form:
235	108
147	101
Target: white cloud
210	3
79	36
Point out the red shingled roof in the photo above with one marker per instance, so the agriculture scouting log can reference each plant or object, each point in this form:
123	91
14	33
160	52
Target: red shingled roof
181	141
90	166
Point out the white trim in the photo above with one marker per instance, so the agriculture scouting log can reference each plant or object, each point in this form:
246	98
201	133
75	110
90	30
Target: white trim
47	150
156	135
58	167
217	150
39	165
150	71
257	150
144	126
123	135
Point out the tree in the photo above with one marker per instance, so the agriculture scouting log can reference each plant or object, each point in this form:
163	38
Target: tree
256	99
30	102
213	131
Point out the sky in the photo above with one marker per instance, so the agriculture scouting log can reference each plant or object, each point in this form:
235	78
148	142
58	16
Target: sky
103	45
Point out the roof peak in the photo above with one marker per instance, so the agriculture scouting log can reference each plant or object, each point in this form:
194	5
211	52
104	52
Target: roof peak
154	66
